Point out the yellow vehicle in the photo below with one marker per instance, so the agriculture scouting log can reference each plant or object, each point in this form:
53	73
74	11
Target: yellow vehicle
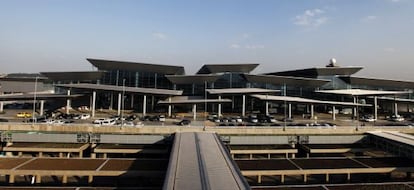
23	115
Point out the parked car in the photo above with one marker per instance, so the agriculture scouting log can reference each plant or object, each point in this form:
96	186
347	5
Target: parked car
253	119
368	118
396	118
98	121
108	122
161	118
183	122
85	116
3	120
23	115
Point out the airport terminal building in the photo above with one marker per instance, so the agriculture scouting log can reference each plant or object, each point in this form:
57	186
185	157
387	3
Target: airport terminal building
214	88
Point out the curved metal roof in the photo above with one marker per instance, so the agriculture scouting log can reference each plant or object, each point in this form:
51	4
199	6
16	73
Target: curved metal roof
134	66
9	97
305	100
191	100
378	82
240	90
290	81
153	91
362	92
74	76
315	72
192	79
222	68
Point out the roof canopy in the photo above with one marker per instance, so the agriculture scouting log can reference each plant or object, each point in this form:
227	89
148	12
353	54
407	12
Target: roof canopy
192	79
282	80
134	66
222	68
241	91
191	100
74	76
361	92
305	100
378	82
152	91
315	72
10	97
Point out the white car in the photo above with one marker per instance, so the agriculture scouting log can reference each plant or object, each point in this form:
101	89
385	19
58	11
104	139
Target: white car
85	116
98	121
108	122
161	118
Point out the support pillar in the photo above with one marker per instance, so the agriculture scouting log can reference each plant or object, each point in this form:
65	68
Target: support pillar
68	102
81	154
312	111
60	154
355	109
375	108
90	179
119	103
327	178
42	107
333	113
132	101
169	107
290	111
111	103
93	103
244	106
267	108
219	107
194	112
259	179
11	178
282	179
38	179
305	178
65	179
1	107
40	154
395	108
144	106
349	177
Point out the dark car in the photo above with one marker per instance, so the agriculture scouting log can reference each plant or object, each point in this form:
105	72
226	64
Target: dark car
3	120
183	122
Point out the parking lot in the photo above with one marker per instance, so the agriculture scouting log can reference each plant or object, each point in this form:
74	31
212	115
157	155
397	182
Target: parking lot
131	119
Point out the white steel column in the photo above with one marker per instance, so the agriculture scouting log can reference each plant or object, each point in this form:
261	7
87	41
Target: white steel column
132	101
267	108
375	107
290	111
333	113
219	107
68	103
395	108
169	106
93	103
194	111
144	106
1	104
355	110
244	106
312	111
42	105
119	103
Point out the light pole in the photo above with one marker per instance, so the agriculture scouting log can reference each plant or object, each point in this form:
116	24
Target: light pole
34	102
123	102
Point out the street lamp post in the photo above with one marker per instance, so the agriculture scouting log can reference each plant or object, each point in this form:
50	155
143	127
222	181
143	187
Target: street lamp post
34	102
123	102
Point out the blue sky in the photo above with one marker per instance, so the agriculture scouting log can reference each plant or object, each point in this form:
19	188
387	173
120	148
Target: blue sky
279	34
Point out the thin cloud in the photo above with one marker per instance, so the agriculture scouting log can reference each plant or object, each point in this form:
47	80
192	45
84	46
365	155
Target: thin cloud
159	35
395	1
369	18
311	18
390	50
238	46
234	46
